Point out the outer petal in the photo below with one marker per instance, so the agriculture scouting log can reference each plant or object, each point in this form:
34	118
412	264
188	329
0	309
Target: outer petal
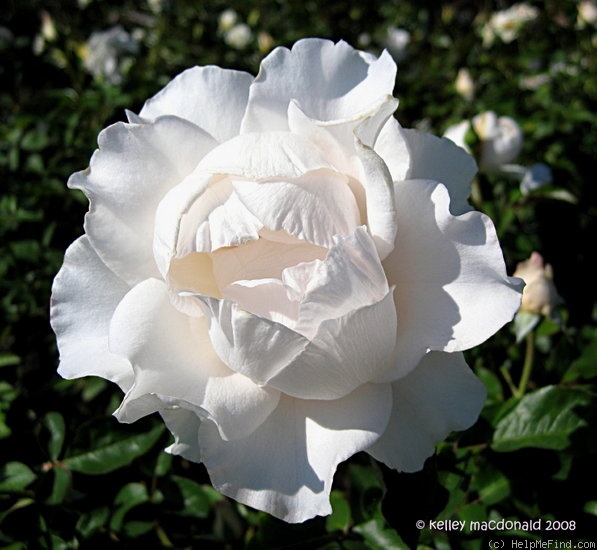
441	395
184	425
287	465
160	341
328	81
452	291
225	91
428	157
84	296
335	138
129	174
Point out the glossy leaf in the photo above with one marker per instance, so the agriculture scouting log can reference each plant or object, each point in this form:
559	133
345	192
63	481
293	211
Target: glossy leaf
339	520
545	419
92	521
198	499
54	423
15	476
113	454
131	495
380	537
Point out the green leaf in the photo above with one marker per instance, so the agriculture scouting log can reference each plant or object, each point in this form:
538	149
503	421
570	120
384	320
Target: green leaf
113	454
5	430
134	529
93	521
163	464
491	484
15	476
9	359
591	507
368	488
198	499
545	419
470	512
525	322
131	495
60	486
585	367
380	537
339	519
54	423
492	383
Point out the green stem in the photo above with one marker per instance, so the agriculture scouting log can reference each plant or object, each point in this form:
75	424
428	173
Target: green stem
529	357
508	380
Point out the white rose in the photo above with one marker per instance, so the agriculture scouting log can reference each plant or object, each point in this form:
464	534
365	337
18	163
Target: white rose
239	36
501	139
108	53
507	24
273	265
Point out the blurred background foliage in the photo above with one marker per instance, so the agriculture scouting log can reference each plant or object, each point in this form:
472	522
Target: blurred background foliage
72	477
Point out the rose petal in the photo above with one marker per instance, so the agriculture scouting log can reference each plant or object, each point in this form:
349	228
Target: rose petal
268	298
186	96
175	365
249	344
335	138
452	291
287	465
313	208
428	157
344	334
379	196
263	156
328	81
350	277
441	395
439	159
84	295
344	354
391	146
129	174
261	259
184	425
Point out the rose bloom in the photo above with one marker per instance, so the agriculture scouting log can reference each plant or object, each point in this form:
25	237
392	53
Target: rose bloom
107	53
284	273
507	24
501	139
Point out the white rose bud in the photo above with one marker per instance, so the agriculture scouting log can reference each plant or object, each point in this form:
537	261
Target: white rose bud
284	273
239	36
587	14
464	84
539	295
501	139
227	20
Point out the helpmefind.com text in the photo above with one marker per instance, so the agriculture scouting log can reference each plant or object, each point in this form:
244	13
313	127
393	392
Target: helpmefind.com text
542	527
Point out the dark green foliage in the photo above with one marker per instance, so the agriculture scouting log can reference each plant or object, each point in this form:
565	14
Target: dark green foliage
72	477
